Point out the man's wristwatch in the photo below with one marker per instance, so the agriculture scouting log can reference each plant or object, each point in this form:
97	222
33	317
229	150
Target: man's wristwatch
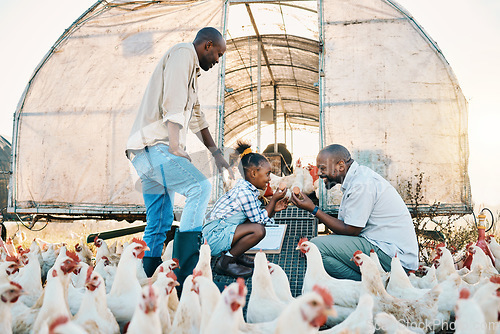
315	211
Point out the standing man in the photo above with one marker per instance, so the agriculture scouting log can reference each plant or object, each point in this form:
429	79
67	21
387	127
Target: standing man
157	149
372	215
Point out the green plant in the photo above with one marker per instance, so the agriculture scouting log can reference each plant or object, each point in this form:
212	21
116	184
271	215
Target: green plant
432	227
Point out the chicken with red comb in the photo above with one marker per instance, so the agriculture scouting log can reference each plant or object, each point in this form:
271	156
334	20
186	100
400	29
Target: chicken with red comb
146	317
226	317
307	312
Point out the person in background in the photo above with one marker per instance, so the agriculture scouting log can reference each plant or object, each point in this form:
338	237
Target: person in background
157	148
237	221
372	215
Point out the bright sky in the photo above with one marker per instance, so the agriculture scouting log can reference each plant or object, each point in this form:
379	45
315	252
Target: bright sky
467	32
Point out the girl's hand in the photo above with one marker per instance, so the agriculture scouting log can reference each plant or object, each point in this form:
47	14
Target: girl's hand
282	204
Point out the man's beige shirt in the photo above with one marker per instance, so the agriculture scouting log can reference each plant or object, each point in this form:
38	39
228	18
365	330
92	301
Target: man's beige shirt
171	95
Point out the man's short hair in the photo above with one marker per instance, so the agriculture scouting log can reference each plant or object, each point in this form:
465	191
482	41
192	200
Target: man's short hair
208	34
337	151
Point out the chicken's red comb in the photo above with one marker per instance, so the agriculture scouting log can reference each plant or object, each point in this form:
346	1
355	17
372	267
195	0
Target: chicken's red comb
73	256
17	285
464	293
96	237
172	275
197	273
302	240
176	261
89	273
24	251
140	241
495	279
372	250
205	242
325	294
11	258
57	322
441	244
241	286
411	272
357	253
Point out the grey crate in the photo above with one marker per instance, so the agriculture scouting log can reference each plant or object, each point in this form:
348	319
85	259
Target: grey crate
300	224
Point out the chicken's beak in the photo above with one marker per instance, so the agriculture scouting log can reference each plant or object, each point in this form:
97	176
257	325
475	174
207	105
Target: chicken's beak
146	248
331	312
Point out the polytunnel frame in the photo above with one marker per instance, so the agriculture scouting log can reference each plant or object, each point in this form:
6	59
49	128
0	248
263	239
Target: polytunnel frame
119	211
414	208
221	114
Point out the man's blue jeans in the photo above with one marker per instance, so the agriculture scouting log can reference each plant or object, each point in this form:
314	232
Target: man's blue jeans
162	175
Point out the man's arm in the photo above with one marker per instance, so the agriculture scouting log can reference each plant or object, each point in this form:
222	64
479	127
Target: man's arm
205	136
334	224
173	140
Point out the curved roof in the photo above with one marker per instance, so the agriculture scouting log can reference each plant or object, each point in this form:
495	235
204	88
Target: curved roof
290	61
292	66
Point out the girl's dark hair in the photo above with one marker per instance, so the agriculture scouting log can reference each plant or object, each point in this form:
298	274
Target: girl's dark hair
253	159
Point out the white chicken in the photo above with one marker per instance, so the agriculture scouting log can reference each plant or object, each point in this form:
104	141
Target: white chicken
388	324
165	284
126	289
102	248
469	316
146	317
63	325
280	282
495	250
399	284
422	311
479	258
428	281
345	292
444	263
263	305
225	317
94	315
9	294
488	299
306	313
54	298
187	318
203	264
383	274
29	278
209	295
84	253
359	321
8	267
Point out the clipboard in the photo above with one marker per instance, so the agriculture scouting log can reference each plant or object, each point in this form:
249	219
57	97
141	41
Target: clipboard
272	242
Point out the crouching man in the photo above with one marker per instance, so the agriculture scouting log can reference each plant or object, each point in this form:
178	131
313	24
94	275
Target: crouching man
372	215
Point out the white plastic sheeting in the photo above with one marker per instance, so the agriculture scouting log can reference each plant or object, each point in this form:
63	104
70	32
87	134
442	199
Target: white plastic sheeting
393	100
78	110
361	70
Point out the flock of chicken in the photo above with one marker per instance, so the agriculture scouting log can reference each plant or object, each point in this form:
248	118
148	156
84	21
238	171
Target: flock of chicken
109	293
